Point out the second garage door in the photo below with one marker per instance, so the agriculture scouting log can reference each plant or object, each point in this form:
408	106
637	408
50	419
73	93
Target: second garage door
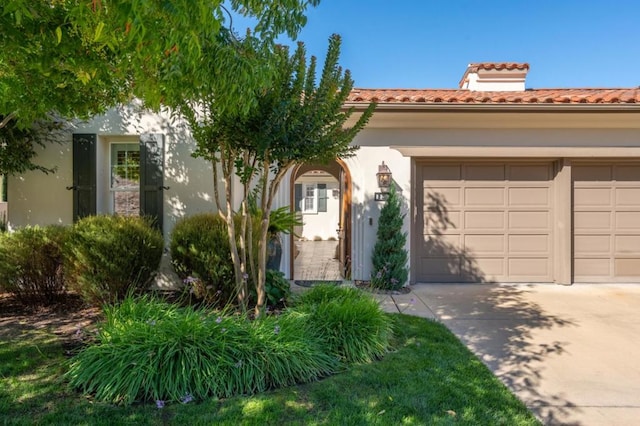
484	222
606	222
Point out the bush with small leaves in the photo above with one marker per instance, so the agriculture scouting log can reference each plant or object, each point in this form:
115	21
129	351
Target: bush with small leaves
200	254
108	257
31	264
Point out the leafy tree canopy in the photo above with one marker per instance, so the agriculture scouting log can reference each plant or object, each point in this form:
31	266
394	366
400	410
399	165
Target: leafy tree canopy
77	58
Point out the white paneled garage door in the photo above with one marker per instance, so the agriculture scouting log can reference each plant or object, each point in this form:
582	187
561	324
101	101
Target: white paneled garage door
606	222
484	222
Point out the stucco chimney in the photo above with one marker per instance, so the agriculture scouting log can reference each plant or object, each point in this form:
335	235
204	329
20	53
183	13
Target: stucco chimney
495	76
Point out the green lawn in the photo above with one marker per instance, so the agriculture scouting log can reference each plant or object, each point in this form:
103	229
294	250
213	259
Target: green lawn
429	378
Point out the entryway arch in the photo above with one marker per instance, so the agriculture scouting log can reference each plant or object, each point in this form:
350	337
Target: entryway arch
304	183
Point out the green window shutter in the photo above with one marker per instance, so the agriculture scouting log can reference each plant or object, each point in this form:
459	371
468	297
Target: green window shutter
322	197
151	177
298	197
84	175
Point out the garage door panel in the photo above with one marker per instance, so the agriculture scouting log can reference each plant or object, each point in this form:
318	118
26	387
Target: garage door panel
441	245
493	268
628	221
592	267
627	244
590	221
533	220
591	173
484	197
442	172
529	244
628	197
483	220
484	172
529	268
627	267
439	223
439	197
483	244
592	197
627	173
592	244
527	197
538	172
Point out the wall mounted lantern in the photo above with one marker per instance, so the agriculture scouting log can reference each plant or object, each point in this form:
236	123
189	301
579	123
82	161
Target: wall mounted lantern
384	177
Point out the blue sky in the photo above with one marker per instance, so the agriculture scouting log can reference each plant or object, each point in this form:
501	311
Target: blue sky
428	43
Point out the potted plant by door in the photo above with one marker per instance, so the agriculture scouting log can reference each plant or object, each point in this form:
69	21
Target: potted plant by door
281	221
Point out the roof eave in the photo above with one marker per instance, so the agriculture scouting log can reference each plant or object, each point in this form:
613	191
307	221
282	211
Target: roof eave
520	107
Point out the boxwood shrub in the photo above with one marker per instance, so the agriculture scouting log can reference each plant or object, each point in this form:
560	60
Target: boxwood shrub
108	257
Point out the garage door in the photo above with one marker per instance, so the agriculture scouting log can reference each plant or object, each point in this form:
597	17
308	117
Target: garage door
484	222
606	222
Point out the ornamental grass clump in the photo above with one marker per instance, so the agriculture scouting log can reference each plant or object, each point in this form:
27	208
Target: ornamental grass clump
149	350
349	322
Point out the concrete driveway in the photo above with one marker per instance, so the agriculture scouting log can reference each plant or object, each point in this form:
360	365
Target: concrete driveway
572	354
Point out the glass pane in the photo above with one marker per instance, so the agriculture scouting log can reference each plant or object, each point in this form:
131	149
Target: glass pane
125	166
126	203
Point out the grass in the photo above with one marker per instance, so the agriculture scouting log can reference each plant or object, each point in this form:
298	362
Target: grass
429	378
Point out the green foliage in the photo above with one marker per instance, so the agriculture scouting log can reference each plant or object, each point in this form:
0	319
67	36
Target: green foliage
389	254
350	322
154	351
278	288
283	220
31	264
107	257
77	58
292	119
200	249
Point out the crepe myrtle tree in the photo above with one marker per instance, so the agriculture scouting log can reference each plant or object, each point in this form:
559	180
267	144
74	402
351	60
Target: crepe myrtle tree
293	119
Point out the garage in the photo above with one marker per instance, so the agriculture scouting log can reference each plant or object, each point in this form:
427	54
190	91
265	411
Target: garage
484	221
606	222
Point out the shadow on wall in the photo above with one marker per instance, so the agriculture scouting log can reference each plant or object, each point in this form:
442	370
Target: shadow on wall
442	258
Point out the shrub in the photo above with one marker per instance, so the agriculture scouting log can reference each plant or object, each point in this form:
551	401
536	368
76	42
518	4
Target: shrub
200	249
31	264
111	256
350	322
277	288
389	254
151	350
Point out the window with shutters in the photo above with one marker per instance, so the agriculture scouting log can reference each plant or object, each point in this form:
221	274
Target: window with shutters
125	179
310	201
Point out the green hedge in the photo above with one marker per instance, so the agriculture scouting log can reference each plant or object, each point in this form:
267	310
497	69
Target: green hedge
31	264
108	257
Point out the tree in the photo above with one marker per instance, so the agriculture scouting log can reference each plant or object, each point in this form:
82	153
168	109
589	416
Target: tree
389	255
293	119
66	59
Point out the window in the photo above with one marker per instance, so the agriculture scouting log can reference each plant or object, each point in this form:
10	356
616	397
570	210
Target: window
311	197
125	179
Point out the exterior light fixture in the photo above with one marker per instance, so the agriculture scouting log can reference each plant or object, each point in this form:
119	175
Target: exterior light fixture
384	177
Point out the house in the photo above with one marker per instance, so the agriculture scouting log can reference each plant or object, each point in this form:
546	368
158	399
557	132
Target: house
501	183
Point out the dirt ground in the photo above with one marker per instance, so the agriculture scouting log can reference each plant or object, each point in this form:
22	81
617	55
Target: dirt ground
63	319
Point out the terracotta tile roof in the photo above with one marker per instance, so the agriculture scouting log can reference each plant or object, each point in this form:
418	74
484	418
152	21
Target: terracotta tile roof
474	67
531	96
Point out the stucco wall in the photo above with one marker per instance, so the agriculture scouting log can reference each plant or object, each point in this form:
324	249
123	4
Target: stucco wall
38	199
322	225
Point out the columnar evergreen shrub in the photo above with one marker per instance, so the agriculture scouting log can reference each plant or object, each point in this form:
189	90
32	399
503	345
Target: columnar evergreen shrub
108	257
201	255
389	254
31	264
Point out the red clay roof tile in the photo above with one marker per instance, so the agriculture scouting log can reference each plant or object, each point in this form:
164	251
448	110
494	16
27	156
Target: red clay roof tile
531	96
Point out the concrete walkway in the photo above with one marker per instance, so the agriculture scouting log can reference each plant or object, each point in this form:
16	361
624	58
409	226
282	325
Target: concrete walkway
572	354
